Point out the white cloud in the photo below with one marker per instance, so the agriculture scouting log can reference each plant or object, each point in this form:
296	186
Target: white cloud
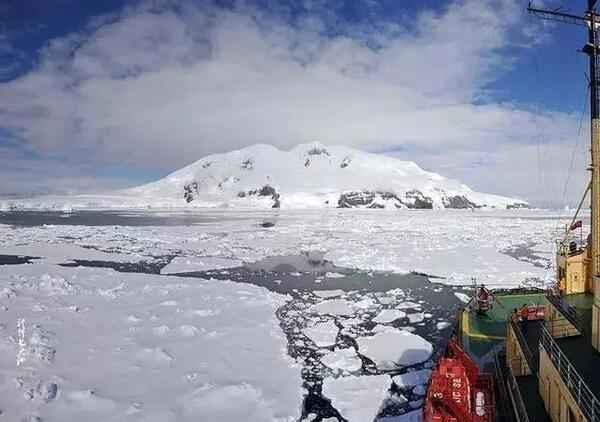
160	88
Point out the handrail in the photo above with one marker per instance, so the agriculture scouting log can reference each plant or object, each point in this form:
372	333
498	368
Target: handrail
531	361
500	371
517	399
585	398
568	312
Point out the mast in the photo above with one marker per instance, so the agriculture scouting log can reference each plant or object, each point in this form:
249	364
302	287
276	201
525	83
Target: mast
591	50
592	21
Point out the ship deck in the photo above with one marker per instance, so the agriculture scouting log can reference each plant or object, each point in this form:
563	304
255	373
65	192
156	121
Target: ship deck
529	389
481	335
578	349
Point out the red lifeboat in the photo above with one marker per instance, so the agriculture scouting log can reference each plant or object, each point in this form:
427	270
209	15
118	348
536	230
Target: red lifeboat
457	391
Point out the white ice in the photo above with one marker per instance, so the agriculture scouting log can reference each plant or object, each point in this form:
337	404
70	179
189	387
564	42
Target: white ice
334	307
358	399
430	242
323	334
100	345
442	324
462	297
392	348
389	315
329	293
410	379
342	360
191	264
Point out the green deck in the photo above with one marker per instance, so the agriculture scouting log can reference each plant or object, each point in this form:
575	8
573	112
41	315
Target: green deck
481	333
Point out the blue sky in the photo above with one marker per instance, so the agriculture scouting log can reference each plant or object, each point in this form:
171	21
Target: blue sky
100	95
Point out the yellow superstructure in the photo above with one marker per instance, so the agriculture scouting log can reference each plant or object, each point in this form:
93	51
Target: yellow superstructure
573	270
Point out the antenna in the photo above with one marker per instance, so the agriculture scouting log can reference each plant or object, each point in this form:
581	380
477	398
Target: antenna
556	15
592	21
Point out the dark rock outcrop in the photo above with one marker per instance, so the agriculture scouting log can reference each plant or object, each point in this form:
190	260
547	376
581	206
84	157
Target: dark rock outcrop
248	164
416	199
345	162
356	199
458	202
190	191
517	205
318	151
266	190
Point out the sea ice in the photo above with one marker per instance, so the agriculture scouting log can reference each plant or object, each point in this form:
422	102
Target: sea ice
182	264
334	307
393	348
410	379
325	294
388	315
462	297
342	360
358	399
442	324
416	317
409	305
90	365
323	334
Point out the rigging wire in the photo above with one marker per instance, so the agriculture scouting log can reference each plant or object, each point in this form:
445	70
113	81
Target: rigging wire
575	148
539	134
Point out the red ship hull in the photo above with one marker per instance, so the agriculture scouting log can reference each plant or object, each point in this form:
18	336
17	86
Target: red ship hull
458	391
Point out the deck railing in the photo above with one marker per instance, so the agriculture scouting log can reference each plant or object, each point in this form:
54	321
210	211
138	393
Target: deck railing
585	398
527	353
516	398
564	308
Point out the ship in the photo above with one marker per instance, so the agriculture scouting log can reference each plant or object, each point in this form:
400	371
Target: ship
533	355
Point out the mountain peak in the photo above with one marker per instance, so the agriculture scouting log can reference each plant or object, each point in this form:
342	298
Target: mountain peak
314	175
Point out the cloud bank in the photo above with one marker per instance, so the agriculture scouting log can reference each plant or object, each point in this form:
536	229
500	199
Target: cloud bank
162	84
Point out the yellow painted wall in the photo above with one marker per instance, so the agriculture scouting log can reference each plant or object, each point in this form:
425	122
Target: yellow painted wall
573	273
514	355
557	397
556	323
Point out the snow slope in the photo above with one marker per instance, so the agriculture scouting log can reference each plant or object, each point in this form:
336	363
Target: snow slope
308	176
313	176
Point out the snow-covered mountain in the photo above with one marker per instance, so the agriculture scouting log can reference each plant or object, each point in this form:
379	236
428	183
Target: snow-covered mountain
311	176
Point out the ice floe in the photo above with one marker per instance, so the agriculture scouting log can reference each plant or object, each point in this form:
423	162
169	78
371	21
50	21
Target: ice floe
190	264
462	297
389	315
126	354
323	334
358	399
342	360
410	379
393	348
325	294
334	307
